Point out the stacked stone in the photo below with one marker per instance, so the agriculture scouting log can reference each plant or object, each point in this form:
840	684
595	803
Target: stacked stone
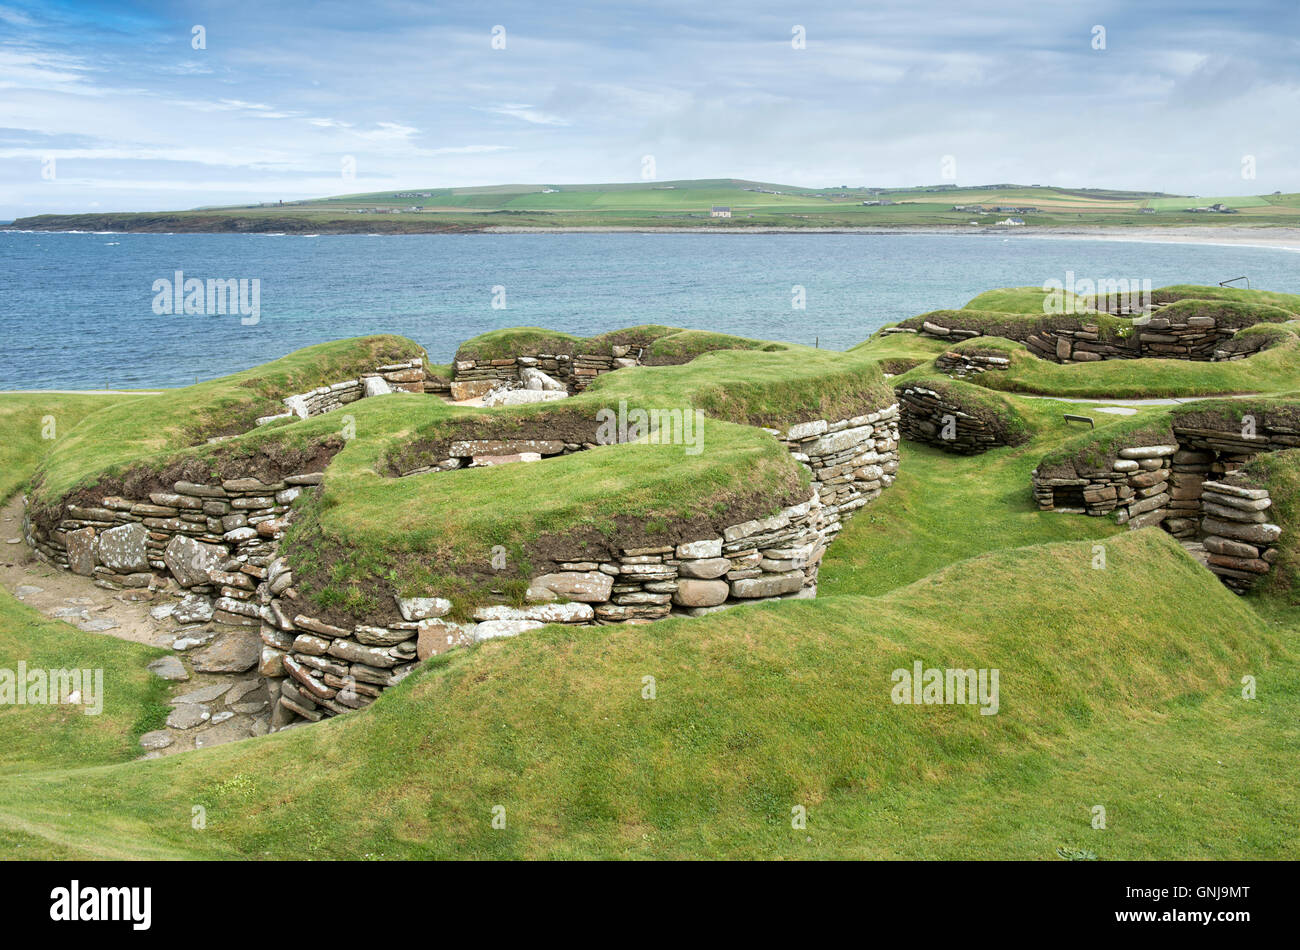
851	460
1188	471
1235	447
1238	348
328	669
927	418
213	540
769	557
1157	336
393	377
1135	486
480	453
476	378
961	365
1236	532
940	332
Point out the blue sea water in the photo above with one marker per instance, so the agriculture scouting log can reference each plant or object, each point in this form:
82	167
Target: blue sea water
76	309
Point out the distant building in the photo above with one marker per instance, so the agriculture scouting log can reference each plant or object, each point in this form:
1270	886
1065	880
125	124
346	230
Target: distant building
1146	210
1011	222
720	211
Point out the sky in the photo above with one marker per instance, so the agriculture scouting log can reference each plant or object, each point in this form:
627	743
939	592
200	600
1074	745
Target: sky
155	106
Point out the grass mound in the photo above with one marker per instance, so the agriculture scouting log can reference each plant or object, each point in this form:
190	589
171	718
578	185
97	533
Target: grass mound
1002	419
757	710
371	535
1279	472
143	429
1095	450
1275	369
1026	300
1290	302
658	345
1226	312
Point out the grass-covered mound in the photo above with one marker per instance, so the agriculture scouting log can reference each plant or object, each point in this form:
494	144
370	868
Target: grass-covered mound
1095	450
143	429
1229	414
1272	370
1290	302
1015	325
1226	313
1026	300
371	535
1111	696
998	416
898	352
657	345
1279	472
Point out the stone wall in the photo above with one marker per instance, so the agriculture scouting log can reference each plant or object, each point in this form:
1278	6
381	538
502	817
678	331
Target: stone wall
851	460
1135	486
928	417
475	378
394	377
959	364
1235	531
1167	335
1190	488
216	546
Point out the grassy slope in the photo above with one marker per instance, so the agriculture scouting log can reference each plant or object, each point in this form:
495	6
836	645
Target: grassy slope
687	204
55	739
1111	696
138	428
763	708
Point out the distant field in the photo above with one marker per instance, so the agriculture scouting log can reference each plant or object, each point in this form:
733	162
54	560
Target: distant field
688	204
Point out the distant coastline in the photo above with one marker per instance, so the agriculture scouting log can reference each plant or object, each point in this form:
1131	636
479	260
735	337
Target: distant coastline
1264	236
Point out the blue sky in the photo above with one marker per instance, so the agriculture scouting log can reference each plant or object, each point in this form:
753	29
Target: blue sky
134	118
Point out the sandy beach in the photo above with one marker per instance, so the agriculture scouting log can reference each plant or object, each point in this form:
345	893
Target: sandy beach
1287	239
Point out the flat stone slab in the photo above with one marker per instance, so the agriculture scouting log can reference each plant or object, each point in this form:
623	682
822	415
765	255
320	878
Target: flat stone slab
187	716
205	695
158	739
544	613
231	730
97	625
234	652
168	668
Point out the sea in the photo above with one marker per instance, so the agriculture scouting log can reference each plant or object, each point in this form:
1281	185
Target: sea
93	310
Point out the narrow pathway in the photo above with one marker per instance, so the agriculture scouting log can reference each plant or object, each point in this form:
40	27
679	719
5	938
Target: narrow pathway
224	699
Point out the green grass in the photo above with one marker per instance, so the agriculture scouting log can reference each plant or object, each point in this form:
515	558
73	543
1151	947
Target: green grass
33	423
686	204
1000	415
1118	686
1104	699
1274	370
143	430
1030	300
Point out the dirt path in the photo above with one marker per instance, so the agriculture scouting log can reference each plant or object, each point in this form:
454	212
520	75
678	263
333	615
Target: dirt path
222	698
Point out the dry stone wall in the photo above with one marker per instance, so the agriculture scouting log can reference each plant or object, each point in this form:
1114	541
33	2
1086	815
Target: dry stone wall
394	377
960	364
1191	488
475	378
216	546
1163	336
927	417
